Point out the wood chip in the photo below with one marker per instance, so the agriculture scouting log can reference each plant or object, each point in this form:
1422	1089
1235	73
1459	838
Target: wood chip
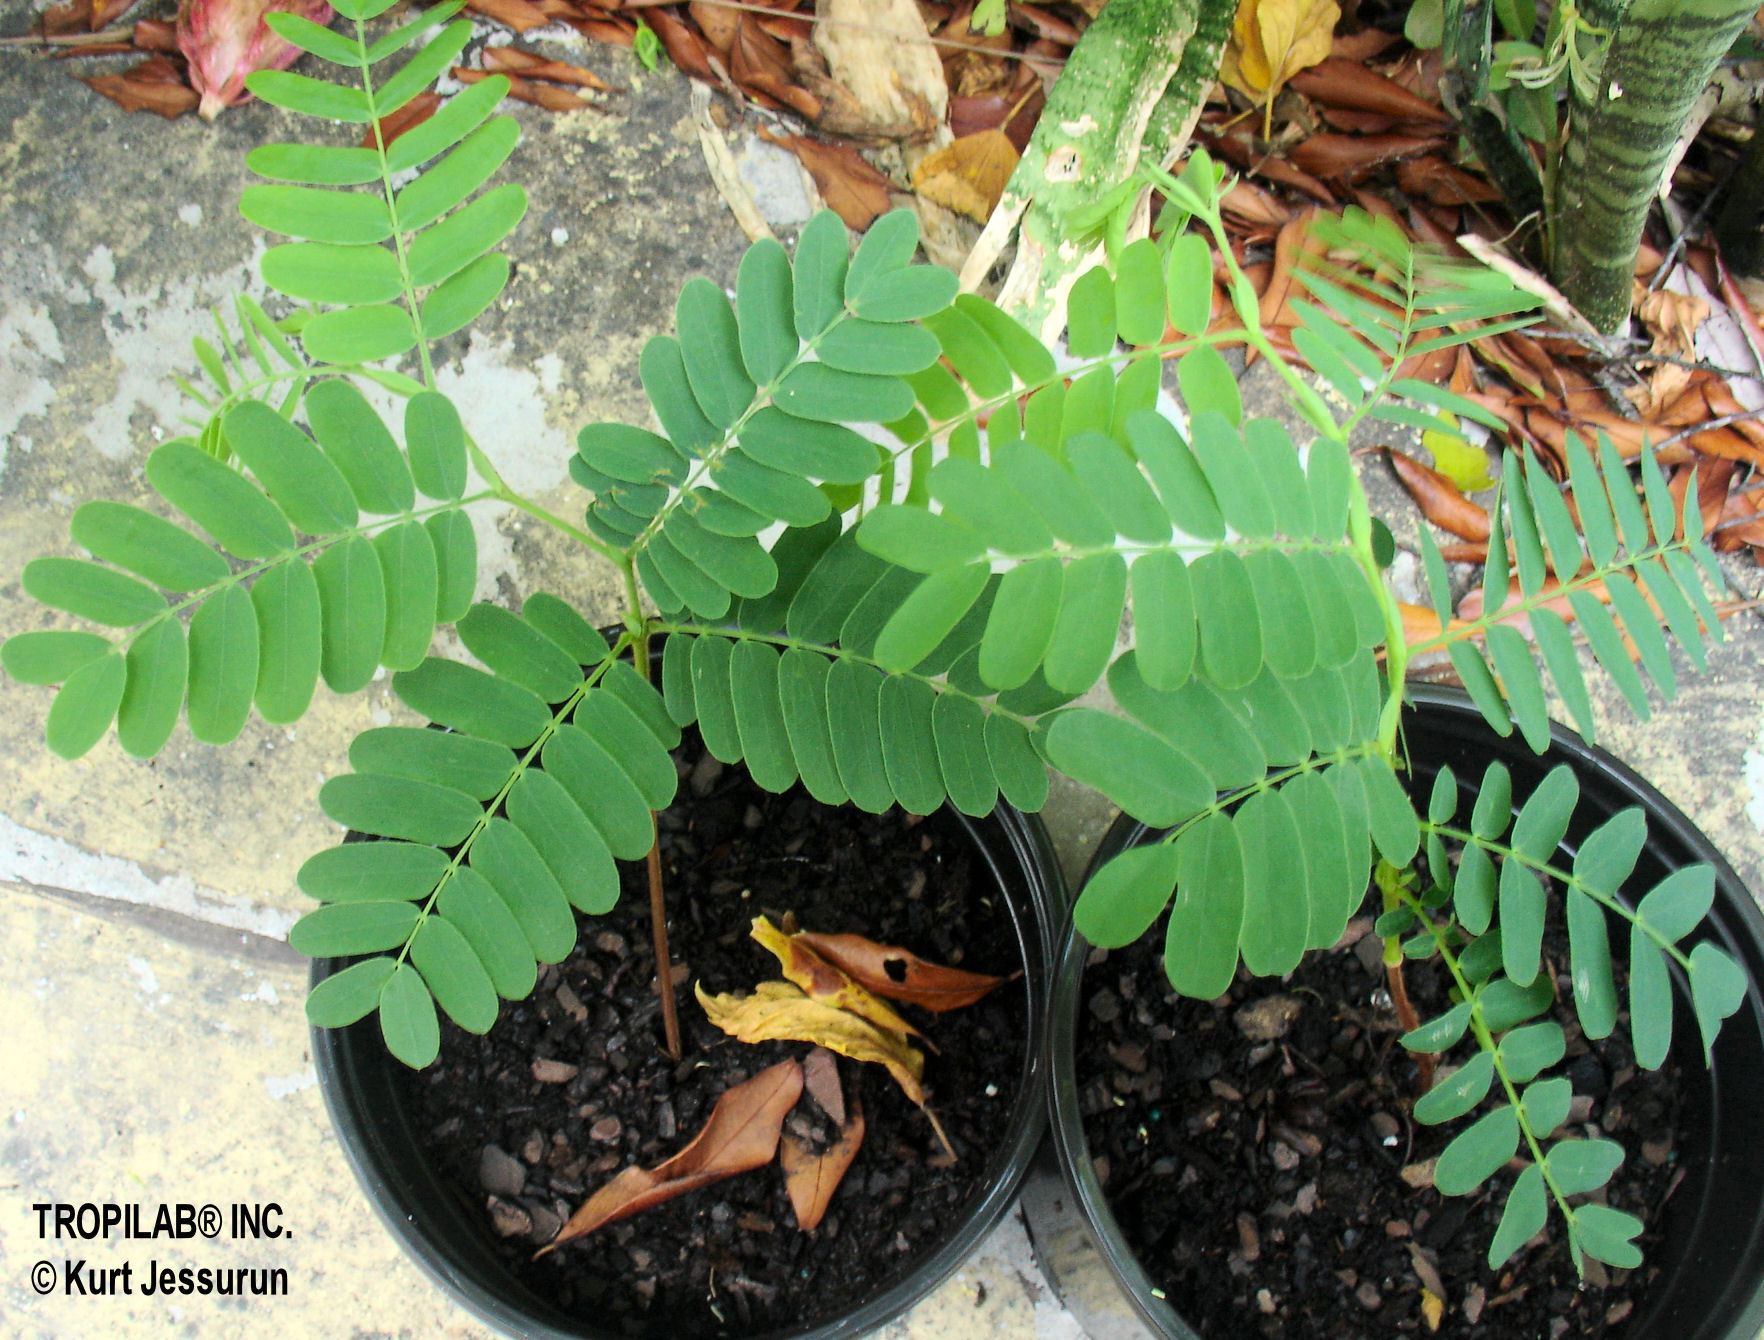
547	1071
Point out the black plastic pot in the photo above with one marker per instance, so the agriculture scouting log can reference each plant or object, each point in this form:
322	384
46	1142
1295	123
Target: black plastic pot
1712	1254
455	1246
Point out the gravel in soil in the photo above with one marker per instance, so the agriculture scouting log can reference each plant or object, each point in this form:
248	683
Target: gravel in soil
1259	1154
571	1085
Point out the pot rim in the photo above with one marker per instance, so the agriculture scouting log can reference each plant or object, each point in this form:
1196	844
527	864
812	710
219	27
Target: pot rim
1008	841
1736	920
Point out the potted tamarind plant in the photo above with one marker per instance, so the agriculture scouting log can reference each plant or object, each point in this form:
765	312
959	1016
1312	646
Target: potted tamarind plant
897	619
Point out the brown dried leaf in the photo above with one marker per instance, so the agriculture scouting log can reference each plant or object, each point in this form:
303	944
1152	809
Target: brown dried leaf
418	110
1272	40
779	1011
853	190
154	35
969	174
1440	500
811	1178
1352	157
548	96
742	1134
517	14
1351	85
969	116
534	66
821	981
716	22
900	975
759	63
1421	624
1432	178
155	85
820	1076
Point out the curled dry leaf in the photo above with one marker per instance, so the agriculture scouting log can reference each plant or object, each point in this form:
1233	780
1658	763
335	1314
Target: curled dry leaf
742	1134
418	110
1353	157
779	1011
899	975
517	14
820	1076
1272	40
521	89
513	60
811	1178
1439	498
969	174
155	85
1352	85
1421	624
853	190
822	981
226	40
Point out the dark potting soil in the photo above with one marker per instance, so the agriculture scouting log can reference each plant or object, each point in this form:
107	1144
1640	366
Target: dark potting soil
1259	1154
571	1085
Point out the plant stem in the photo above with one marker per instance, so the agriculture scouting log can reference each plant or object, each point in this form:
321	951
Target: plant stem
1390	888
664	964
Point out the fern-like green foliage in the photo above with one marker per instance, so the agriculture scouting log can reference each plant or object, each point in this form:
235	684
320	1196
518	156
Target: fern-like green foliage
1483	918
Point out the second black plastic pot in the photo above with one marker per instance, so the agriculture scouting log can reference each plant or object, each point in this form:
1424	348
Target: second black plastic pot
1711	1257
454	1244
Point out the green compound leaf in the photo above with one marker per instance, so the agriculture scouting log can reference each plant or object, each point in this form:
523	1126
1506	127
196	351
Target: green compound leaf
1676	906
909	744
91	591
309	489
1504	1003
459	301
400	807
407	1018
1607	1235
1206	919
315	164
146	545
1522	918
817	391
495	936
349	995
1718	989
1589	950
1457	1093
345	217
453	121
908	294
711	346
359	334
352	607
602	791
505	857
358	443
926	616
223	666
1583	1165
822	253
338	929
1391	814
759	715
434	438
1546	1103
1477	1153
49	656
417	73
478	768
456	563
328	273
454	974
407	564
446	183
1276	912
358	872
311	97
566	841
1142	773
158	666
1527	1051
1438	1034
85	706
1124	897
1523	1218
764	311
516	651
467	699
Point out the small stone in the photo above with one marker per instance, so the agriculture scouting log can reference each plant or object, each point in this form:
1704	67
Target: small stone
1385	1127
1269	1018
901	1244
1474	1302
500	1173
666	1123
1223	1090
1105	1006
1247	1236
644	1289
1657	1152
1420	1175
606	1130
546	1223
1396	1228
1619	1311
610	942
641	1258
704	775
571	1004
508	1219
1129	1055
722	1212
752	819
548	1071
1284	1155
533	1148
1265	1303
753	1223
1580	1109
1306	1200
1368	1297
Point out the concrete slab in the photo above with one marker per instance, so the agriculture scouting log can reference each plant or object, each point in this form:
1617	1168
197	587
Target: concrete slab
151	1045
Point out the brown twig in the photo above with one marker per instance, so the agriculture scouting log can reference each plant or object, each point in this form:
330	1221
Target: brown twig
69	39
1406	1016
664	963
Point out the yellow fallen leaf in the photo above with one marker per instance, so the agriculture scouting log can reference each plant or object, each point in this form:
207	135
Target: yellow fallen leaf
779	1011
821	981
1272	40
968	174
1465	465
1432	1309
